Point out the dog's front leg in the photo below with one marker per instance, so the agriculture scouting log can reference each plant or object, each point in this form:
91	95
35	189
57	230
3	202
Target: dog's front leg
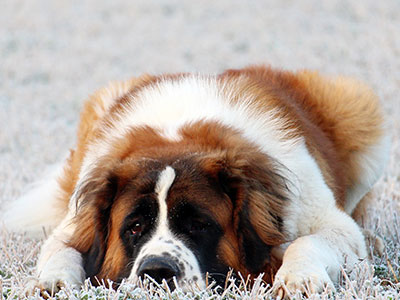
59	264
313	262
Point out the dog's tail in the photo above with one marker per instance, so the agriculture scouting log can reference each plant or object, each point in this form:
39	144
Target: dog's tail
39	210
353	118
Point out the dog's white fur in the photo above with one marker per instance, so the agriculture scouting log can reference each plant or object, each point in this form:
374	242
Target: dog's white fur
372	164
30	213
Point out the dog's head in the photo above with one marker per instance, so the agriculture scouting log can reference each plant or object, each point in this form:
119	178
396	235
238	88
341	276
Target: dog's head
180	212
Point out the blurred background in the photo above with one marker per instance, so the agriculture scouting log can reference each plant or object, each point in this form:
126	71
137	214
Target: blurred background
54	53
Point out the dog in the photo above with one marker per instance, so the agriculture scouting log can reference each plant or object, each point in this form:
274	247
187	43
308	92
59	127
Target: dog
184	176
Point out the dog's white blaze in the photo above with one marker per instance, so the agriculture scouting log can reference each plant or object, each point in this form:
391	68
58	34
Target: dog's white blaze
164	183
163	240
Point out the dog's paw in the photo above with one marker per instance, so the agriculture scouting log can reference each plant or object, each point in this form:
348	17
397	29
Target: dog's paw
52	282
45	289
64	267
301	278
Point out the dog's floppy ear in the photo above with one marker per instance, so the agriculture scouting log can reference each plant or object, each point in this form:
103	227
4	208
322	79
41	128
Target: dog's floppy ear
258	192
95	196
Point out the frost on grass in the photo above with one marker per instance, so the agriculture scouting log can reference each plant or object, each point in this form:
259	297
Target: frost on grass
18	255
149	289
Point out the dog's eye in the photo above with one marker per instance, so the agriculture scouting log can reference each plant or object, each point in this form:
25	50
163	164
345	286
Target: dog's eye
136	228
197	226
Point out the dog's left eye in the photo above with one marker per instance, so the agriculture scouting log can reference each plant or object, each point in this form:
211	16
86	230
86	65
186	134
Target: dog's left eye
136	228
197	226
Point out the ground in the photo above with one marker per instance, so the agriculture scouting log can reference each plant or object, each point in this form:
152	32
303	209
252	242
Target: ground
54	53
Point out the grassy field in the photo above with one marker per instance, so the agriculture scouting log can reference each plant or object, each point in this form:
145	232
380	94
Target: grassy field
54	53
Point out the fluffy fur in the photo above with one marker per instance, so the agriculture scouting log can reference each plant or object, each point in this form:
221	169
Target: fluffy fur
177	176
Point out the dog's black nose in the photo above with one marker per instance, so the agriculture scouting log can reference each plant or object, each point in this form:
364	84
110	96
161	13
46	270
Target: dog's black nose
158	268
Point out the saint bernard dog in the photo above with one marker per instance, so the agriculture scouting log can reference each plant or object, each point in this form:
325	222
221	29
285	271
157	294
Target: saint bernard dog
184	177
